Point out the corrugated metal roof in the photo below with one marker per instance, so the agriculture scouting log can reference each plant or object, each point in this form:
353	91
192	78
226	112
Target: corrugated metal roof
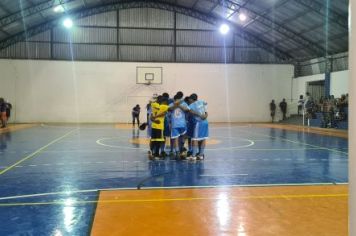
84	52
146	17
146	53
43	37
27	50
142	36
85	35
212	55
187	22
296	27
203	38
103	19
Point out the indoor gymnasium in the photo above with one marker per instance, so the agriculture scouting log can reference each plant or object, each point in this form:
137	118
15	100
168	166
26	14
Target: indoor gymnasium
177	117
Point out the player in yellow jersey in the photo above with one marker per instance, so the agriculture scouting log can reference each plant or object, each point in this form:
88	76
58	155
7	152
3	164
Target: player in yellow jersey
159	110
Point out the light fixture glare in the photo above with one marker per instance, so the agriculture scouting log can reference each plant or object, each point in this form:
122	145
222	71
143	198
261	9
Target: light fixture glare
224	29
68	23
58	8
242	17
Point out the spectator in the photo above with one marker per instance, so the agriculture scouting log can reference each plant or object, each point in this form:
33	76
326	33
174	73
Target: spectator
3	116
283	107
136	115
148	109
300	104
341	104
308	105
8	110
272	107
347	99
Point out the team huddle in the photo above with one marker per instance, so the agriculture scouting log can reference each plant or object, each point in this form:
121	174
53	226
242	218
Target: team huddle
178	120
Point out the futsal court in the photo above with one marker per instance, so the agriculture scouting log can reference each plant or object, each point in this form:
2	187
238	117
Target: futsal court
257	179
267	84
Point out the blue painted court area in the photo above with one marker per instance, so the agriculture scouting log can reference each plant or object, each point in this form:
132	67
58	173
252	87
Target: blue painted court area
50	174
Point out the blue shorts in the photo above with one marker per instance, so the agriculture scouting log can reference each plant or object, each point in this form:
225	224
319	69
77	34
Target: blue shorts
166	130
149	129
176	132
190	129
201	130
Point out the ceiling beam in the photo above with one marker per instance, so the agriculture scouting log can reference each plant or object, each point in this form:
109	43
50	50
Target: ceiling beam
33	4
195	3
322	10
321	41
4	8
76	14
286	21
279	4
267	22
29	11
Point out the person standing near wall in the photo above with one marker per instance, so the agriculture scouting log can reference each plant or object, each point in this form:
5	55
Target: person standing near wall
272	107
3	116
283	107
136	115
8	110
300	104
308	106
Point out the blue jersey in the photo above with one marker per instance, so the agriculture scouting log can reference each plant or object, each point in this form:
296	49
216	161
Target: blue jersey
178	116
199	107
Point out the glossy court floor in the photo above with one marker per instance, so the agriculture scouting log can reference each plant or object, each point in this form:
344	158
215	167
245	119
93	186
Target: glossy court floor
257	179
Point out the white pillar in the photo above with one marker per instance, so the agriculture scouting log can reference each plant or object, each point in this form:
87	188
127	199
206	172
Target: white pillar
352	117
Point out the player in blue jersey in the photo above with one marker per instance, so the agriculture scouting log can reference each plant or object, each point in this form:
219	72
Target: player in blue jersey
201	127
149	122
189	117
181	139
179	125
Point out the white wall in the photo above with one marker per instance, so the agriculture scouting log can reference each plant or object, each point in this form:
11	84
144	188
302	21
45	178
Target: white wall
62	91
338	83
299	86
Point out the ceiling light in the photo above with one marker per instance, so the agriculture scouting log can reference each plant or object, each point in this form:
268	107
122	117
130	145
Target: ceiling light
68	23
242	17
224	29
58	8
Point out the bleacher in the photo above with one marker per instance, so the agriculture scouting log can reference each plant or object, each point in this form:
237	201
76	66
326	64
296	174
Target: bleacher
319	121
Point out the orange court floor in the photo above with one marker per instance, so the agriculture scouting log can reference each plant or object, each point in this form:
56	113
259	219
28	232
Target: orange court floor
242	211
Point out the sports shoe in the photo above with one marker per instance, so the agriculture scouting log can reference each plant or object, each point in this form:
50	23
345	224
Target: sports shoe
191	158
150	155
163	155
200	157
183	155
177	156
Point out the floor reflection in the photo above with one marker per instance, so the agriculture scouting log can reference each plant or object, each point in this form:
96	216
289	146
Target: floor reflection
4	139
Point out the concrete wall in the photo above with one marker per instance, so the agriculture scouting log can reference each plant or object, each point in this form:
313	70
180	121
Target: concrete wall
338	83
62	91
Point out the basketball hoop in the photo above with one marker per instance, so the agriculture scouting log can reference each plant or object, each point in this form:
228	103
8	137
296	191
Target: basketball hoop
148	82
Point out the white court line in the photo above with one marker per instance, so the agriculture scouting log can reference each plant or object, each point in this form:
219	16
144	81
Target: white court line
171	187
251	143
223	175
77	126
297	142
